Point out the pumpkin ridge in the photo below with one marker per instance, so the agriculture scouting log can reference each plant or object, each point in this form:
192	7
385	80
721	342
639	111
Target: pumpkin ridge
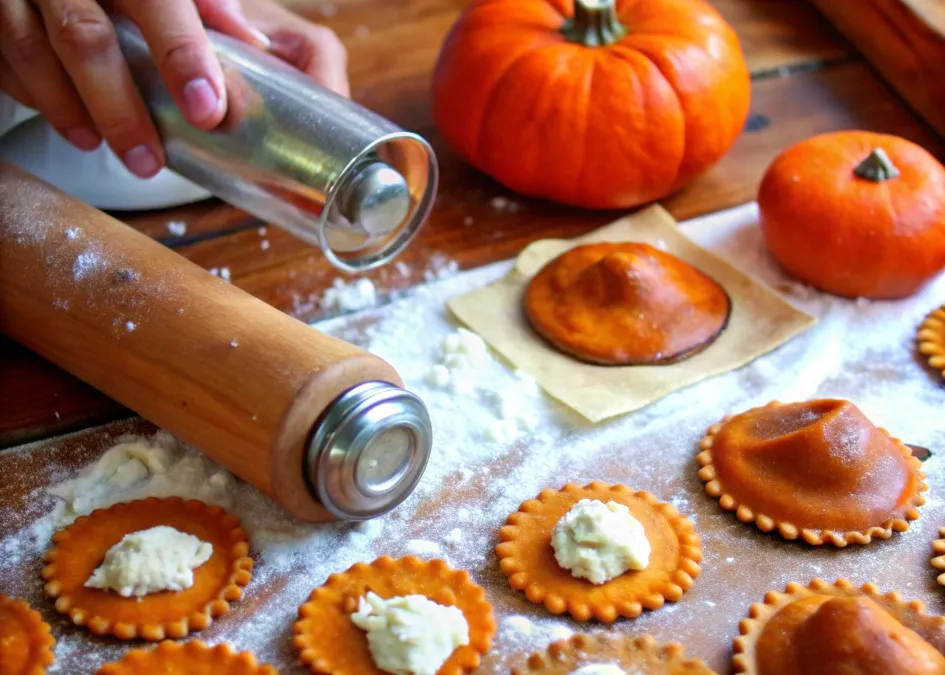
481	143
588	89
632	59
486	141
620	50
546	179
538	38
688	112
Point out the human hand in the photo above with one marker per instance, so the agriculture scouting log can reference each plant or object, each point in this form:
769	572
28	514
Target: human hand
313	49
62	58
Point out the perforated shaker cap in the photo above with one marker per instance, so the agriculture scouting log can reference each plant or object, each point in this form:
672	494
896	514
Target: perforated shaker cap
368	450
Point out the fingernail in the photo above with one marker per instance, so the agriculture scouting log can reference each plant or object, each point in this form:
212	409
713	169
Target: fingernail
142	162
200	100
83	138
261	38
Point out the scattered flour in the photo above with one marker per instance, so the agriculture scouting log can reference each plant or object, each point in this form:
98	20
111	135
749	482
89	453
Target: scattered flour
865	353
264	245
423	547
361	31
87	263
505	205
560	633
222	272
347	295
177	227
351	296
137	469
599	669
441	267
519	624
460	356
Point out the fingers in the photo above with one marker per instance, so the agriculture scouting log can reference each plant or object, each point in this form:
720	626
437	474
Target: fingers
84	39
10	84
323	57
227	17
32	74
183	55
312	48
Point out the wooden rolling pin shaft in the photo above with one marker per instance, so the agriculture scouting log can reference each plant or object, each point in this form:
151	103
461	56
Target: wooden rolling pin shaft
229	374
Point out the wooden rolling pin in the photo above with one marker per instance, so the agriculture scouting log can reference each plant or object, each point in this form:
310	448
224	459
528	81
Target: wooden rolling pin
316	423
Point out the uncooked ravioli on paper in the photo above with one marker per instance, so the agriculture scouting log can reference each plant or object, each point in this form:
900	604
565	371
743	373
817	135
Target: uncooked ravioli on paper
761	320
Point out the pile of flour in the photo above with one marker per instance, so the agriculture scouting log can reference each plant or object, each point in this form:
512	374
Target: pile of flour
860	350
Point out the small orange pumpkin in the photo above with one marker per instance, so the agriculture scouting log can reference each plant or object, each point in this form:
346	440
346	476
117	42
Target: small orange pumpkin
856	214
594	103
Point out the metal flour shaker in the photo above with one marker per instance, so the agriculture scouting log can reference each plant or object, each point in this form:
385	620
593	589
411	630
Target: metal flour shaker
296	155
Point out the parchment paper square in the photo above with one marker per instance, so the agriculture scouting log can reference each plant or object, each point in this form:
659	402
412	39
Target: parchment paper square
761	320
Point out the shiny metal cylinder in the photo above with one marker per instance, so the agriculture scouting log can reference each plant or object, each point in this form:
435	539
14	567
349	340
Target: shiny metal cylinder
296	155
368	451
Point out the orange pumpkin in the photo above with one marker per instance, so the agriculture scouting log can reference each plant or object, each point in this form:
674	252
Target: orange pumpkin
594	103
856	214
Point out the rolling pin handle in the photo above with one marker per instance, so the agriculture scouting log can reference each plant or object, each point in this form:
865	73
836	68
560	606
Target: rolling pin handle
368	450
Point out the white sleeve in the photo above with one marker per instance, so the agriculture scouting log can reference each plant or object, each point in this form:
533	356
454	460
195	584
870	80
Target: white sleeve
12	113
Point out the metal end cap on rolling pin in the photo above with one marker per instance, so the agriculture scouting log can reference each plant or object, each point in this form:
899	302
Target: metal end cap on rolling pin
377	200
369	450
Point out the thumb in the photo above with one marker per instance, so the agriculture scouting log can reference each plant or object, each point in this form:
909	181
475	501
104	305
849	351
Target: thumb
227	17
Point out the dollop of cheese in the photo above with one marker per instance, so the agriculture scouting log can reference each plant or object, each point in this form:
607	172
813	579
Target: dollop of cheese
411	634
151	561
599	669
598	541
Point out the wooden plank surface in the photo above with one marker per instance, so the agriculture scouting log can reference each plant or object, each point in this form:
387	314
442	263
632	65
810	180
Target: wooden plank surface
905	41
807	81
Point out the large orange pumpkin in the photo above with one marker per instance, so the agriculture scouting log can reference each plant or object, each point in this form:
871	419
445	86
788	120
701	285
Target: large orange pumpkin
856	214
595	103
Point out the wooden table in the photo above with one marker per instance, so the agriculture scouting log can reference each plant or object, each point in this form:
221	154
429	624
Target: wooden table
806	80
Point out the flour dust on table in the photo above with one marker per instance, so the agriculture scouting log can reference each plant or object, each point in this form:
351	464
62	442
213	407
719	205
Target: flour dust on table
861	351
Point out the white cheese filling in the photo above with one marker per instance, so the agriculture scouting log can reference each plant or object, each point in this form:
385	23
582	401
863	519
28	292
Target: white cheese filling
599	669
598	541
151	561
410	635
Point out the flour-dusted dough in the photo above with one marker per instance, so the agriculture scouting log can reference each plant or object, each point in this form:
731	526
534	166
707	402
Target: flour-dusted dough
599	542
123	466
151	561
410	635
599	669
156	466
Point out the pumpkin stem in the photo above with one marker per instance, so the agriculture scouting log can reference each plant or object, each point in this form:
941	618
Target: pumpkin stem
877	167
595	23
